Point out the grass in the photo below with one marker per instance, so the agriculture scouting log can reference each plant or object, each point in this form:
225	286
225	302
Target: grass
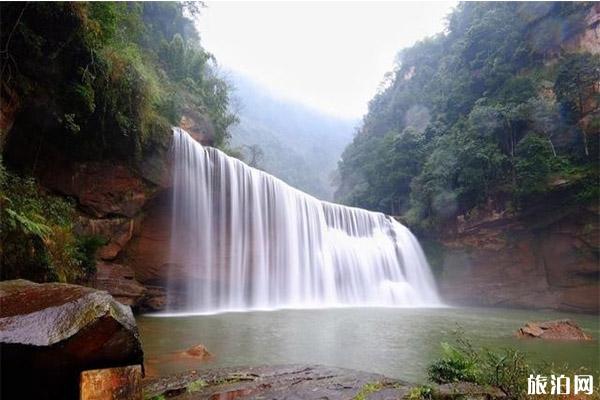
196	385
368	389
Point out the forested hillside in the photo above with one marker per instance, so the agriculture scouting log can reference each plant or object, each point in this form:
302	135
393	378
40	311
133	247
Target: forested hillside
496	112
289	140
90	91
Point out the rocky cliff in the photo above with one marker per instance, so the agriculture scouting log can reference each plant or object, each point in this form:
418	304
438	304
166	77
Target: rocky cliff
544	258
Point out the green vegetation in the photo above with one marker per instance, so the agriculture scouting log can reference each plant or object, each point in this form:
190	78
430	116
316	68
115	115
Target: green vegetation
106	79
492	112
506	369
195	386
420	393
368	389
37	234
91	81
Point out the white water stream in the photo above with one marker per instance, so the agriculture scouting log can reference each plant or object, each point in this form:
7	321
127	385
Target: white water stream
247	240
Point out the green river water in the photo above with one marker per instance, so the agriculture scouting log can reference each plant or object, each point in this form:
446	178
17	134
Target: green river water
397	342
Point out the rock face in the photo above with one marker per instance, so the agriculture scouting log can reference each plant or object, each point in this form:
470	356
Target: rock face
548	259
588	39
563	329
148	251
116	231
123	383
118	204
119	281
102	189
51	332
198	126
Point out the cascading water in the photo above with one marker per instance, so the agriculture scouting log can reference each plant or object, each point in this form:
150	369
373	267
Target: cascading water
247	240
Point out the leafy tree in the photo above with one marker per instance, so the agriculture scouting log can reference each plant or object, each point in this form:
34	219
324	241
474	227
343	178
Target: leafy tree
577	82
489	109
533	166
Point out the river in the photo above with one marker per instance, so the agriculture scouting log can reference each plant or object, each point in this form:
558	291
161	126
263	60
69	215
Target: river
397	342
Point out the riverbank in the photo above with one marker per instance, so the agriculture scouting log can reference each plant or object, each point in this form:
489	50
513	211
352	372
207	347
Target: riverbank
299	382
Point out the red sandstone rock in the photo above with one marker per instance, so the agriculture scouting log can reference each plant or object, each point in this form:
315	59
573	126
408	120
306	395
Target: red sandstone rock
155	299
148	253
198	126
199	351
548	260
564	329
116	231
119	281
101	188
124	383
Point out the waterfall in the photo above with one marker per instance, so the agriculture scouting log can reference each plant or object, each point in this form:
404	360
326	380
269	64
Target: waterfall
246	240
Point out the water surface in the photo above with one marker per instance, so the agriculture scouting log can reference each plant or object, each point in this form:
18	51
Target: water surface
397	342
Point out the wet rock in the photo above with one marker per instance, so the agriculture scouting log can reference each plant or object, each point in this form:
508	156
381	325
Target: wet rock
277	382
119	281
467	391
563	329
155	299
123	383
199	351
51	332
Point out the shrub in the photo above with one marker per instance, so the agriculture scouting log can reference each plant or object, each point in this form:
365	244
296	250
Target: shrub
457	365
37	236
506	369
420	393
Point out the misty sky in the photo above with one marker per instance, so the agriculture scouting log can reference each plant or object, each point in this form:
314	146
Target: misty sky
329	55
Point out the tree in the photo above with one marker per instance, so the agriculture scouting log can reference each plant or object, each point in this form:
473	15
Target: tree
254	155
577	81
532	166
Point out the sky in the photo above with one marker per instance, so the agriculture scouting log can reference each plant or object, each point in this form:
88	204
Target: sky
331	56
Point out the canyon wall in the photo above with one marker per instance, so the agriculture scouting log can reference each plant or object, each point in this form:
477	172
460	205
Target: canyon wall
547	258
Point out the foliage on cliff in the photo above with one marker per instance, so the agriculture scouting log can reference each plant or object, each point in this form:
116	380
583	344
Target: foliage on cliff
491	111
91	81
37	239
105	79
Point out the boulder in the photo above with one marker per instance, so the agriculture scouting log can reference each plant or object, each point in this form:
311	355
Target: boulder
119	281
563	329
199	351
50	333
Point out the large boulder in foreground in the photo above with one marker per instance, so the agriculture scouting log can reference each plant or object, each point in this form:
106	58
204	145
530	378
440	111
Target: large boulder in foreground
562	329
51	332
